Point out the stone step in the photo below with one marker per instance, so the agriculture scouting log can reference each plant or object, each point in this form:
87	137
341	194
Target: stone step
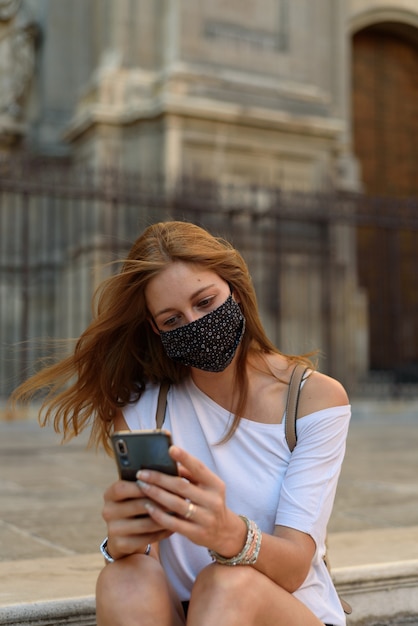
380	594
49	591
58	591
76	611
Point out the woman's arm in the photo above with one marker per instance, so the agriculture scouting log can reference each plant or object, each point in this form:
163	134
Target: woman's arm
309	488
284	557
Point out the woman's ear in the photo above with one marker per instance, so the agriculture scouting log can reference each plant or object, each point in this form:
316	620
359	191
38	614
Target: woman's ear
153	325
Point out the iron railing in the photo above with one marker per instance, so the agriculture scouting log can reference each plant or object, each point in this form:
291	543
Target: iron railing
60	227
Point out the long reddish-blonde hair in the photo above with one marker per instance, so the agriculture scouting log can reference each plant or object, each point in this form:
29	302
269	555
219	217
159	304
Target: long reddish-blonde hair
119	353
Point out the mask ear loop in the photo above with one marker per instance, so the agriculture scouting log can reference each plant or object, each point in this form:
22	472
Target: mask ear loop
231	293
153	325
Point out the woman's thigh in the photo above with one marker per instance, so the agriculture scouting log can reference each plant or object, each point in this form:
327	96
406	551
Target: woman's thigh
232	596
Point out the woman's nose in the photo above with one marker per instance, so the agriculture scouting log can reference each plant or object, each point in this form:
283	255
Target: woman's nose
191	316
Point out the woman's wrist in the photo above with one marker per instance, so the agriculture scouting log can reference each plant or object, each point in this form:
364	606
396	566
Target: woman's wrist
109	558
248	555
231	539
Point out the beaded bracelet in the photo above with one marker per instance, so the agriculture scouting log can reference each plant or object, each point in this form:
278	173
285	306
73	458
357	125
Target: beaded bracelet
249	553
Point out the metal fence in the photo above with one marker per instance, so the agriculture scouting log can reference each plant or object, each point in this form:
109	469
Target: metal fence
61	227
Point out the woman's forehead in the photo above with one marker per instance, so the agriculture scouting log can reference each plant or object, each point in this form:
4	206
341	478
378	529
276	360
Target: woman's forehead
180	279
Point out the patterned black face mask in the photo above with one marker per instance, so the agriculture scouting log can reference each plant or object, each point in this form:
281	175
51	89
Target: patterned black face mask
210	342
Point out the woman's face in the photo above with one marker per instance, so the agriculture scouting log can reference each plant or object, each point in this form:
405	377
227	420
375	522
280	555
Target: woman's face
182	293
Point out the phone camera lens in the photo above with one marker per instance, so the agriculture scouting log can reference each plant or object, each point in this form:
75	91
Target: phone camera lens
121	447
122	451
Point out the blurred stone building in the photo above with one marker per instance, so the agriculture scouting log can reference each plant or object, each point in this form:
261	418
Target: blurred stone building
306	95
244	90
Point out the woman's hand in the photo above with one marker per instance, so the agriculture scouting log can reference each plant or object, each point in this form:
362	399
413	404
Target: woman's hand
193	504
129	527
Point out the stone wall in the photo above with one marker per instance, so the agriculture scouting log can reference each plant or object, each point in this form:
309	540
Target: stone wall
253	93
241	92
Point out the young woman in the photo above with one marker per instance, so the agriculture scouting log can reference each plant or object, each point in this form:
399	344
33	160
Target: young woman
245	544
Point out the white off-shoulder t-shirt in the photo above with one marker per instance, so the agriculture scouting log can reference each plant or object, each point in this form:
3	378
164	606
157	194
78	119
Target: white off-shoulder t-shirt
264	480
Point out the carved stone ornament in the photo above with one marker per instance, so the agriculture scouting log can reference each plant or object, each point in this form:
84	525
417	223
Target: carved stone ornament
272	37
9	8
17	61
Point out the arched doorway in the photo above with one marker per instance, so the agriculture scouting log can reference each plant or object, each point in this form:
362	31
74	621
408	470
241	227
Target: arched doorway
385	131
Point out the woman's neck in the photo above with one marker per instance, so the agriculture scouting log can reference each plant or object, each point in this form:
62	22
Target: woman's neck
219	386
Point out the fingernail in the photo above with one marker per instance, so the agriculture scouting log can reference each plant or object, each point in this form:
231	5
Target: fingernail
142	485
142	474
148	507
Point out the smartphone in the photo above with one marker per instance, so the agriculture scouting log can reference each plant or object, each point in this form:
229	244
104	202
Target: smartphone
142	449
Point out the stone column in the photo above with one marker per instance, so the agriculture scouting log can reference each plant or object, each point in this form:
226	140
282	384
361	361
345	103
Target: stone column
18	35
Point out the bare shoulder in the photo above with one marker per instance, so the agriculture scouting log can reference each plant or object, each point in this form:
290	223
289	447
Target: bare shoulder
321	392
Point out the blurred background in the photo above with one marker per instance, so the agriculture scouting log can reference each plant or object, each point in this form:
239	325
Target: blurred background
288	126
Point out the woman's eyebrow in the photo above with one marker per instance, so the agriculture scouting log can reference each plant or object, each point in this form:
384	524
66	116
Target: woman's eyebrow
194	295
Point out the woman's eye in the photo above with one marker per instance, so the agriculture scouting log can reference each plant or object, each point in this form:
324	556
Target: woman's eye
172	321
206	302
177	320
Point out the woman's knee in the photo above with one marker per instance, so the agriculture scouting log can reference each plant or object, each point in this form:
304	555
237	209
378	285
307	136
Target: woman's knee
236	595
228	595
124	574
130	588
227	582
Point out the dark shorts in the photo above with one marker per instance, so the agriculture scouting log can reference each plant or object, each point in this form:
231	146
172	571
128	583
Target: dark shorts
185	606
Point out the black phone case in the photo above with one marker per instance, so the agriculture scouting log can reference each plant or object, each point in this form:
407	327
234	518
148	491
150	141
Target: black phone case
142	450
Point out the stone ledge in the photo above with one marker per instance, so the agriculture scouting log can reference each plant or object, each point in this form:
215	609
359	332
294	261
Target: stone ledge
33	581
378	593
77	611
382	591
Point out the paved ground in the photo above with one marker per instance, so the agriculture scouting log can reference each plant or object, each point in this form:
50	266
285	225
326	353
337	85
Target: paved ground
51	499
51	495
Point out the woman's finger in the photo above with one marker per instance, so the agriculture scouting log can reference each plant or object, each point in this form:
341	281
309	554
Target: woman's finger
205	527
138	527
202	486
196	469
190	468
124	509
122	490
123	545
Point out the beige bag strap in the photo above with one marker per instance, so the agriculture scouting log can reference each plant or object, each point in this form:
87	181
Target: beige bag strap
162	403
291	435
292	404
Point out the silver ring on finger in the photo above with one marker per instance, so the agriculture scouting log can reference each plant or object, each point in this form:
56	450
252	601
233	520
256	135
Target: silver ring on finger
191	510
